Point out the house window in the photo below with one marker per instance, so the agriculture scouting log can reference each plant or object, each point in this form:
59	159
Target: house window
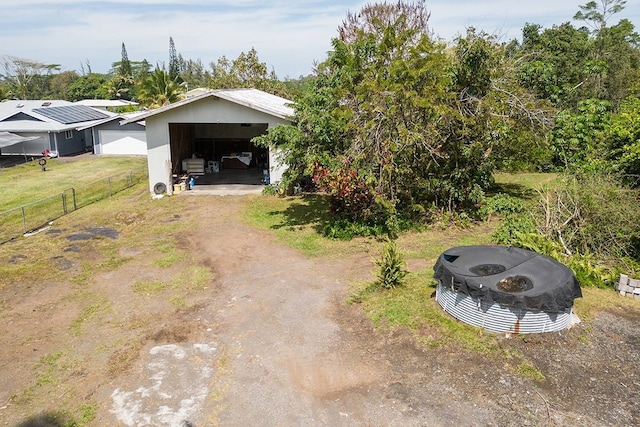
68	134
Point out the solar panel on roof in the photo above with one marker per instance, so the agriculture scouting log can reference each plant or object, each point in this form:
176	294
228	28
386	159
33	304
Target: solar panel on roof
68	114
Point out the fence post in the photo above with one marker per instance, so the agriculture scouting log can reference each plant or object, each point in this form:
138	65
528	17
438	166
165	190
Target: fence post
24	221
64	203
73	195
109	181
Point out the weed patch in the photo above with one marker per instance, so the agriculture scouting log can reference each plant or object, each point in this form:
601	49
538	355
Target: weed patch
529	371
123	359
89	313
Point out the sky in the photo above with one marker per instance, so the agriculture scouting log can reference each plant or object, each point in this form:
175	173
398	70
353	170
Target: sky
288	35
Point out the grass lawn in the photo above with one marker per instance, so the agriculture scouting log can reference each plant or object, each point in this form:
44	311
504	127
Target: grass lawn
27	183
31	197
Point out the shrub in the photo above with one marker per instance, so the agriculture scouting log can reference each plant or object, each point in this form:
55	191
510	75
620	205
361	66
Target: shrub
391	271
512	227
501	204
516	220
591	214
590	223
350	196
345	229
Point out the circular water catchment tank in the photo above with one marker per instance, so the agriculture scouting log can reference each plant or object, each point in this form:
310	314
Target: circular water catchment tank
506	289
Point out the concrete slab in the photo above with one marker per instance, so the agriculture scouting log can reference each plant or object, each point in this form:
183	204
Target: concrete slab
228	182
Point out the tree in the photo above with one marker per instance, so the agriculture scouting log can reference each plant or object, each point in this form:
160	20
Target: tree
395	123
596	15
578	138
27	79
120	87
122	84
617	50
392	89
623	141
377	123
4	92
614	58
553	63
498	119
59	84
125	65
174	64
245	71
89	86
159	90
193	73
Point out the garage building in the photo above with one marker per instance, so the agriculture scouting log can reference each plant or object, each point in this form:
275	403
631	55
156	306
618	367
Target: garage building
211	133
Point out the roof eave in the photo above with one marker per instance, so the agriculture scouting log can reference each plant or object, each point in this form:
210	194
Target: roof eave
167	108
217	94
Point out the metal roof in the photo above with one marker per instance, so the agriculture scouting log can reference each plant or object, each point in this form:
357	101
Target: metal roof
122	119
252	98
105	103
13	107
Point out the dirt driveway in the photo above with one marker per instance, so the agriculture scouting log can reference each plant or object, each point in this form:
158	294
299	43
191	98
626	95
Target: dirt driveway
270	341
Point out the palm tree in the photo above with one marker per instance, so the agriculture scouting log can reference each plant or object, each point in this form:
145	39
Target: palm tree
158	89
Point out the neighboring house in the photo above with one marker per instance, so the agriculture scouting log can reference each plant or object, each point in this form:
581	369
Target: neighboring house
109	136
51	125
67	128
216	125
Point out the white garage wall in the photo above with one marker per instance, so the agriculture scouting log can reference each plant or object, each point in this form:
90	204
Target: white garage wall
203	111
113	142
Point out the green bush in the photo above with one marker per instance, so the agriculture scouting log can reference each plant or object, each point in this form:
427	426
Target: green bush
270	190
512	227
501	204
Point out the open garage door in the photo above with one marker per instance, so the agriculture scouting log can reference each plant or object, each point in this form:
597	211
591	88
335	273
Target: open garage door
118	142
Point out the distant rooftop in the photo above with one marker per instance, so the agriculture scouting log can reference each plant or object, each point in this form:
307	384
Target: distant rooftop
47	115
105	103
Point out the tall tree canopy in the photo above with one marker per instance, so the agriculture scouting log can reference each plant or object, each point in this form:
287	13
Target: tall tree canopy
410	124
27	79
597	15
174	63
245	71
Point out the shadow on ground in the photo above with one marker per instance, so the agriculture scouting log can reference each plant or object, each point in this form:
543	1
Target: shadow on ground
310	210
46	420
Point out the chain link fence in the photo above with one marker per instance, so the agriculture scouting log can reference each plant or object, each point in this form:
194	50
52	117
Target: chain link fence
30	217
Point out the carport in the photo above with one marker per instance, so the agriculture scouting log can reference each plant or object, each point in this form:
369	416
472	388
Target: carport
8	139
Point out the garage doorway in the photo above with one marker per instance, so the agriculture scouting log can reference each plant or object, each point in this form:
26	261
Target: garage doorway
219	153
